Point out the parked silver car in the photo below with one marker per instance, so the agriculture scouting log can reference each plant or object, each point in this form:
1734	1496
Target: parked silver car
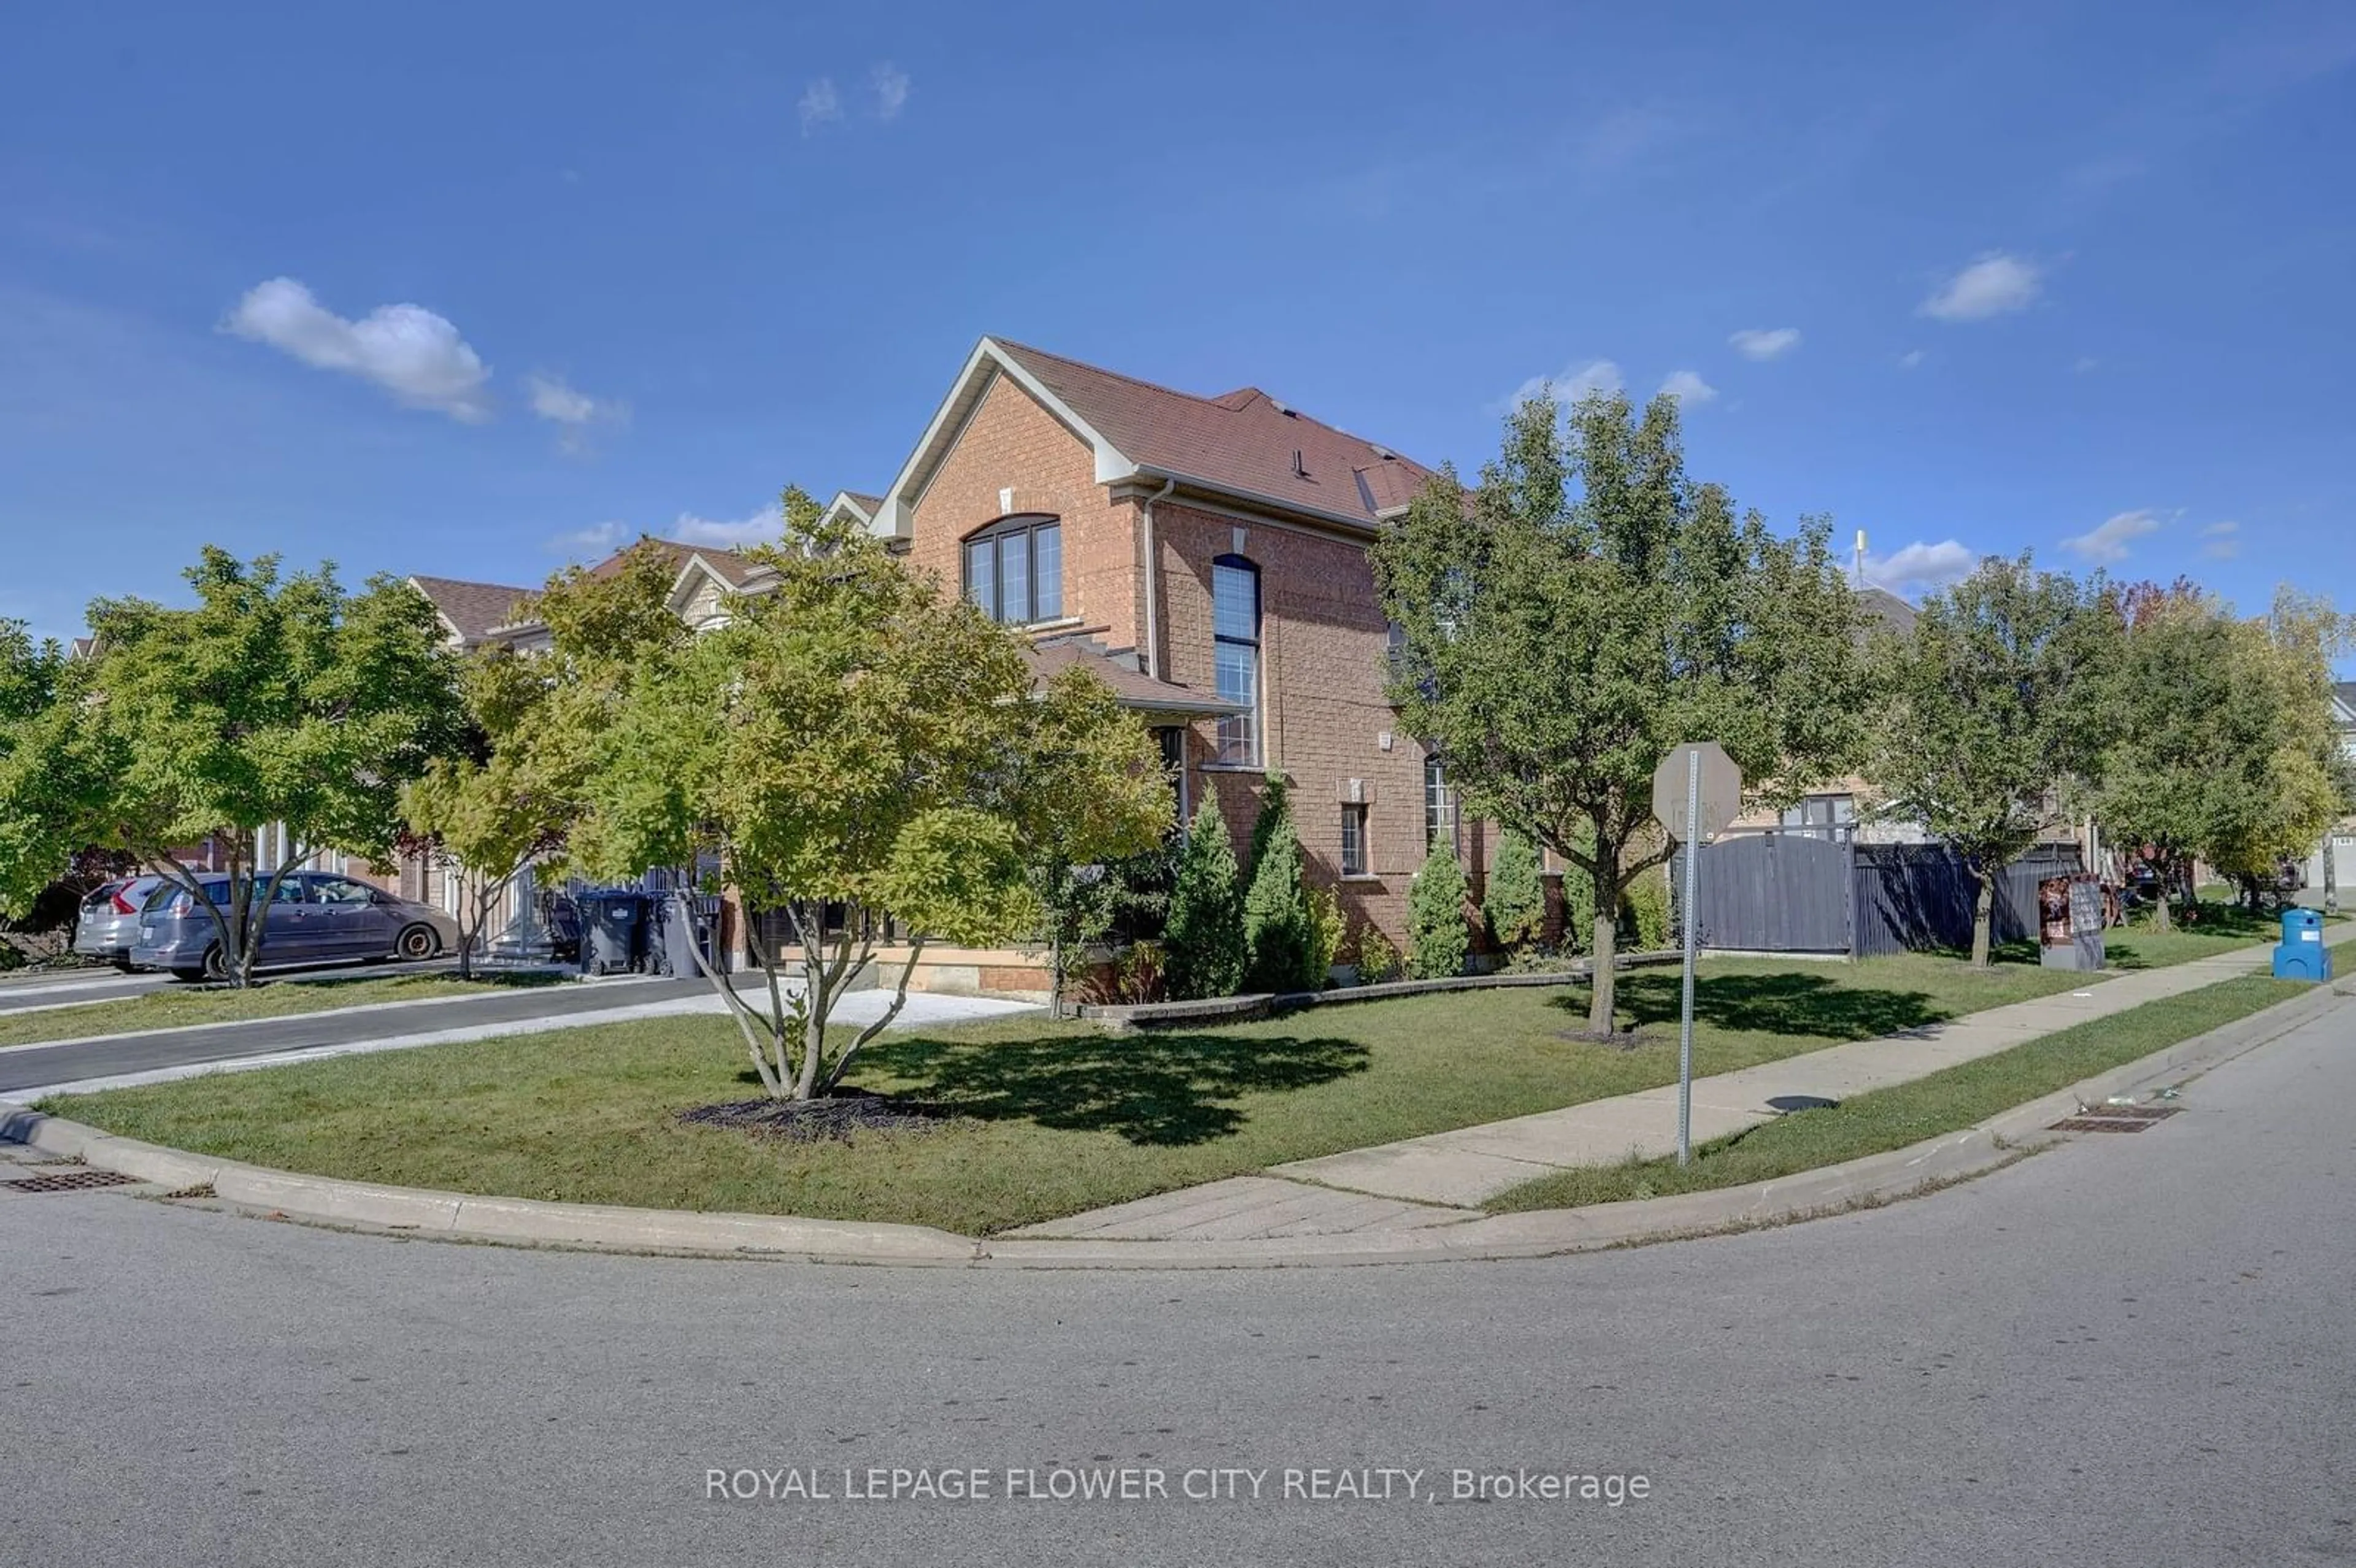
317	918
109	922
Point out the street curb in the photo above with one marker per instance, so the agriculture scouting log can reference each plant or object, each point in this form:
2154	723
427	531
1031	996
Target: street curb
1867	1182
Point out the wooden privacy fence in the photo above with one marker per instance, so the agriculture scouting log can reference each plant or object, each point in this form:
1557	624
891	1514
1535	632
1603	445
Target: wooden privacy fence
1804	892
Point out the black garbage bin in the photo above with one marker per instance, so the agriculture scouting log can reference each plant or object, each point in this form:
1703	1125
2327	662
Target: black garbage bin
612	931
684	926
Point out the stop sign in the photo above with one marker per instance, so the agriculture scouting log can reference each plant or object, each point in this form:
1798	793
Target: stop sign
1721	791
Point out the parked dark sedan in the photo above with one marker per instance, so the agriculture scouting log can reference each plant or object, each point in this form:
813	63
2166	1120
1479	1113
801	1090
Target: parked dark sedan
317	918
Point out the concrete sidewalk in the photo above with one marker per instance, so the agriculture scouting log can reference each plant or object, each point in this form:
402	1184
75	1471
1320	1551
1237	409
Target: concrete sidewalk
1441	1179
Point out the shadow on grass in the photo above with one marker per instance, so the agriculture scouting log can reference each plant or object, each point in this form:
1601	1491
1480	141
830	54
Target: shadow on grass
1793	1004
1161	1090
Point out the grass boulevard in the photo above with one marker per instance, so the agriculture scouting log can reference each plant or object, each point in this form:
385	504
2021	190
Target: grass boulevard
1026	1119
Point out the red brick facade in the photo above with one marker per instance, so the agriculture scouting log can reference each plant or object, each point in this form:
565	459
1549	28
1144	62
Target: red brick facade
1324	723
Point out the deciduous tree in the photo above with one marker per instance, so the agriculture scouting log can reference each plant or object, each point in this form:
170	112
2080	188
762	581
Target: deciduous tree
1990	714
858	749
512	798
272	701
1587	608
2222	748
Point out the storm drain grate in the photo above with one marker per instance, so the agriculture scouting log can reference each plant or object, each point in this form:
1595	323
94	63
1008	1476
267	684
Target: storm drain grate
2115	1118
68	1181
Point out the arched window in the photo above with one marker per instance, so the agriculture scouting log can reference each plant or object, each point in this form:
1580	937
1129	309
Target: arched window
1015	569
1235	635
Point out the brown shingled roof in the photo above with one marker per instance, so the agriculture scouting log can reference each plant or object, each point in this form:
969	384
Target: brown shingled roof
1132	687
1882	605
471	608
1243	442
733	568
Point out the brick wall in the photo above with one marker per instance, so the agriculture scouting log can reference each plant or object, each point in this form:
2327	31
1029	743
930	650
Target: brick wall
1323	637
1013	444
1323	640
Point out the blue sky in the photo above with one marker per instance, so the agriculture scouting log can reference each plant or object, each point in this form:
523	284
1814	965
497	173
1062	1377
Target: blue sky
473	289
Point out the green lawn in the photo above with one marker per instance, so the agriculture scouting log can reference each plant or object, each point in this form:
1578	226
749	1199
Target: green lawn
1906	1113
2215	928
180	1006
1055	1118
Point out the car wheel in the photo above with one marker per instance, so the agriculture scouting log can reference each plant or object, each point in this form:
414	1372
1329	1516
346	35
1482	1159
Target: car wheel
185	974
125	964
216	963
417	942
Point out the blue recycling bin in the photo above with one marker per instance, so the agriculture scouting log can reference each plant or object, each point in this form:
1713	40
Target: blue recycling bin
2301	954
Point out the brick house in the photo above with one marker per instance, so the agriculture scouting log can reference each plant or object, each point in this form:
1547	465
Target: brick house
1208	555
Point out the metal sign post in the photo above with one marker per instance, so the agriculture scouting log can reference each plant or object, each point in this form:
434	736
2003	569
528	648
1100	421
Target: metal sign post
1685	1027
1697	791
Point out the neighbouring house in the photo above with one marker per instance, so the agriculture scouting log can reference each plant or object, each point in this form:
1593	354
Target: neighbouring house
2331	864
1842	810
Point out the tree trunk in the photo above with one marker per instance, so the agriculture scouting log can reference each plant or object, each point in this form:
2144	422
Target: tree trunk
1984	921
1604	980
2162	917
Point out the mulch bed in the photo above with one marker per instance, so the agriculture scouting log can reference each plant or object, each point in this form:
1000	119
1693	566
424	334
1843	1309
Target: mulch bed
1618	1039
841	1118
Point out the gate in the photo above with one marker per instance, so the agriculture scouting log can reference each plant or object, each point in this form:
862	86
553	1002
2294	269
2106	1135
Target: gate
1775	892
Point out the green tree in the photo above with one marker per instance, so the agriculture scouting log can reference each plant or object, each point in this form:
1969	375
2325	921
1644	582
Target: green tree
1438	934
1280	930
511	800
1514	901
859	751
2222	748
270	701
1204	933
1094	804
1585	610
1991	715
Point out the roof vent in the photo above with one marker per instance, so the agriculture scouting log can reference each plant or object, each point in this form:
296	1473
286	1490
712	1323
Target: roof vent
1299	469
1386	455
1280	407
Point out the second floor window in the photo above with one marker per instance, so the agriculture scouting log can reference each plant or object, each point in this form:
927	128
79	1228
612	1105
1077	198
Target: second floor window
1235	635
1014	569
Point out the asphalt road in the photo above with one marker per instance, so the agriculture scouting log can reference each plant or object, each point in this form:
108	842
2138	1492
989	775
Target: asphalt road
33	1066
29	989
2130	1351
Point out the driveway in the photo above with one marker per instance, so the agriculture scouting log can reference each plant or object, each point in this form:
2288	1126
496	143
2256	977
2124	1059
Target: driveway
27	1072
2132	1350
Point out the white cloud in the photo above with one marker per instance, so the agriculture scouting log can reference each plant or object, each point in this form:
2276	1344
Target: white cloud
2107	541
2084	363
1911	358
1688	388
2221	542
1574	382
1920	566
408	350
558	401
764	526
890	85
597	540
1765	343
819	103
1995	285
